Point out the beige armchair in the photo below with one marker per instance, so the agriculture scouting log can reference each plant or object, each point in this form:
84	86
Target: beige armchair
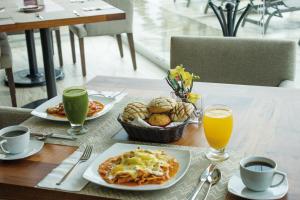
116	27
236	60
6	63
13	116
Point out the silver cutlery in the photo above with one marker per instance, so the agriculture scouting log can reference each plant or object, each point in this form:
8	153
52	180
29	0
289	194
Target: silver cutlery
76	13
213	179
91	9
112	96
39	16
202	180
41	136
85	156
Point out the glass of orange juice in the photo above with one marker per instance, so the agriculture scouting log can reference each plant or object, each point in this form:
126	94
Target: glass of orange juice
217	123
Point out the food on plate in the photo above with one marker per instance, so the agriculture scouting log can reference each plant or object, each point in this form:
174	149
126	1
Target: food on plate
135	110
181	112
159	120
161	105
94	107
139	167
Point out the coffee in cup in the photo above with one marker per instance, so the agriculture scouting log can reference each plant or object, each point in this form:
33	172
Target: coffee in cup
14	139
257	173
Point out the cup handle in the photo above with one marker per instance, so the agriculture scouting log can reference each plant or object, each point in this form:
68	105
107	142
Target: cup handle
2	147
283	175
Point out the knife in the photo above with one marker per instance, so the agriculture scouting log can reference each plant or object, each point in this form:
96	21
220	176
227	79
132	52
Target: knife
41	136
202	180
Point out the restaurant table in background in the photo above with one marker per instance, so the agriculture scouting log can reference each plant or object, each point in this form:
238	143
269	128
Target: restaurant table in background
265	123
34	76
56	13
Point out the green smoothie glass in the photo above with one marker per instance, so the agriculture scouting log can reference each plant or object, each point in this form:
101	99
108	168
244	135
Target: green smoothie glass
75	100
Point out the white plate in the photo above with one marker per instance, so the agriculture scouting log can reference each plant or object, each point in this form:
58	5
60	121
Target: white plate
182	156
40	111
237	187
34	147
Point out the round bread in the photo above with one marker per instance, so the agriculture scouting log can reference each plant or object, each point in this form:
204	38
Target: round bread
161	105
135	110
182	111
159	120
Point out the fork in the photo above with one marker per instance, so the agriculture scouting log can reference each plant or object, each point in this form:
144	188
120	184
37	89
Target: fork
84	157
76	13
39	16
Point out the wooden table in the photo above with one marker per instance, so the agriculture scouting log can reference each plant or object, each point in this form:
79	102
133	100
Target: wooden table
56	13
265	123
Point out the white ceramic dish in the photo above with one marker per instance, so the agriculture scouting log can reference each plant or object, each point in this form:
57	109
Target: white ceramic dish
182	156
237	187
34	147
40	111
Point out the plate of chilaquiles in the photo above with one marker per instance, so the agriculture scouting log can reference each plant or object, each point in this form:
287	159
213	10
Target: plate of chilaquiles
53	109
138	167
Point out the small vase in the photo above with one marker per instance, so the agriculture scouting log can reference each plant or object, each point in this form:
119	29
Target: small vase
198	113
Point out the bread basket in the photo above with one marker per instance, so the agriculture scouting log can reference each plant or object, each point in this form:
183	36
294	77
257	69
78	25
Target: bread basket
149	134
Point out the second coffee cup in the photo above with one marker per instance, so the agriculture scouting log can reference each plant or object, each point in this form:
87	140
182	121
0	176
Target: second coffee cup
257	173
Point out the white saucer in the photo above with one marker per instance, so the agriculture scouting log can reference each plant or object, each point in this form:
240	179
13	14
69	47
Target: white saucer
34	147
237	187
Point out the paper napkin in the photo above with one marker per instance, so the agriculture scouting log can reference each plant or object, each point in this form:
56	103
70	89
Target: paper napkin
74	182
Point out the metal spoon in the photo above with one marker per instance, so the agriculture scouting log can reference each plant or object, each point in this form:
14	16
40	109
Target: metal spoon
213	179
202	180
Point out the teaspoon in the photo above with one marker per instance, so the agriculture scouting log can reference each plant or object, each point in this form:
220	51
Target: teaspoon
213	179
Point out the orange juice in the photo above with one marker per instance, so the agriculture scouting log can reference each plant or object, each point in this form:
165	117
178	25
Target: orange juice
217	122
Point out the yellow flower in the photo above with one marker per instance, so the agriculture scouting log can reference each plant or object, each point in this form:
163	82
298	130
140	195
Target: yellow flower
193	97
187	79
175	73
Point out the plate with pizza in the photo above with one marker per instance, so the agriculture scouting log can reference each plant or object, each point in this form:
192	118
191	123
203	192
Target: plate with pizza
138	167
53	109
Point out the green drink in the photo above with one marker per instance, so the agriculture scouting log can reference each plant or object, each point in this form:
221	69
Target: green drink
75	100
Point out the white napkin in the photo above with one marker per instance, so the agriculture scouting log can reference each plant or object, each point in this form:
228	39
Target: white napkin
142	123
77	1
75	181
292	3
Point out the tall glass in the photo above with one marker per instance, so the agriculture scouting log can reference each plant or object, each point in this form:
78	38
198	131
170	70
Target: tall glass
217	123
75	100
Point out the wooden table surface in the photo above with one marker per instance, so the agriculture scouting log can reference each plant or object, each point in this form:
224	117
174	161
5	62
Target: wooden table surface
56	13
265	123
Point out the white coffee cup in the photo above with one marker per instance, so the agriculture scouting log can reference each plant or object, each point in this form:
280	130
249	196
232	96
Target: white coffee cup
257	173
14	139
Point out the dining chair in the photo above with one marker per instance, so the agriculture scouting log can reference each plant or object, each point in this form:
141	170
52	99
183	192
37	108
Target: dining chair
270	8
13	116
247	61
6	63
116	27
